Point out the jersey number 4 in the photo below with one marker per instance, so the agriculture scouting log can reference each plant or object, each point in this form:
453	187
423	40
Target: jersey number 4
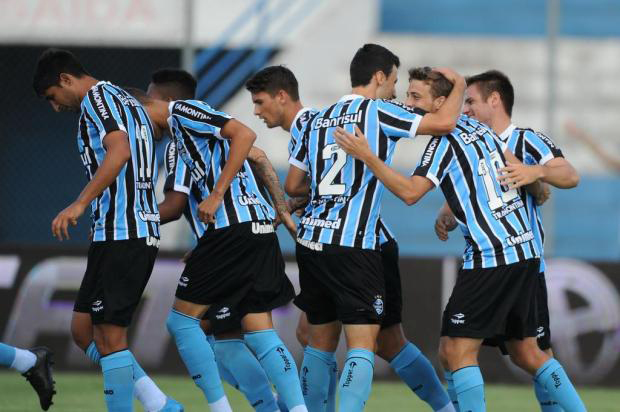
327	186
489	177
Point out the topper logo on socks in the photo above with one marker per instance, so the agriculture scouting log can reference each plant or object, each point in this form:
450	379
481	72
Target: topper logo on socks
258	402
304	380
349	379
108	391
183	281
556	380
287	362
196	376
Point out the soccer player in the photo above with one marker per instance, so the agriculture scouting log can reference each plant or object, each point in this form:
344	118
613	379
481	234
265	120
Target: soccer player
34	364
490	97
275	95
341	271
115	140
237	364
496	287
237	262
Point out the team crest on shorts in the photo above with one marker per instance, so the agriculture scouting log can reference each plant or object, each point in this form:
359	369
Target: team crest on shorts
378	305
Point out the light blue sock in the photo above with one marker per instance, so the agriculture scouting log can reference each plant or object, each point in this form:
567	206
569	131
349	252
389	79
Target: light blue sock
225	374
117	370
93	353
333	386
279	365
356	380
469	388
552	377
315	377
418	373
234	355
7	355
546	403
196	353
451	390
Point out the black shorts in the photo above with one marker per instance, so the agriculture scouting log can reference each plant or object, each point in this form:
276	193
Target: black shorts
116	274
239	266
222	318
497	303
340	283
393	288
543	333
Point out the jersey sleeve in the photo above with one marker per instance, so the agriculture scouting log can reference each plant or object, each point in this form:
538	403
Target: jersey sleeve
299	155
102	108
397	120
538	148
178	178
436	160
199	117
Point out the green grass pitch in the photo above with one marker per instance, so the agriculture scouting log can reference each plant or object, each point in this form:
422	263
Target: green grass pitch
79	392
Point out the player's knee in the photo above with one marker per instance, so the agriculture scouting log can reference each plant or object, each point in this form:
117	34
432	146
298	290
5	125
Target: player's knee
81	338
205	325
302	336
527	357
390	342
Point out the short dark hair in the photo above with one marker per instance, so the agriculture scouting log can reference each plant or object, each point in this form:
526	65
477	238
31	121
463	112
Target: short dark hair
273	79
51	64
181	80
440	86
369	59
495	81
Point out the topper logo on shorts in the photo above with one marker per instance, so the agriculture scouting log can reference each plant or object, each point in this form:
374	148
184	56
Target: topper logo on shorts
378	305
287	362
458	319
183	281
223	313
262	229
97	306
540	332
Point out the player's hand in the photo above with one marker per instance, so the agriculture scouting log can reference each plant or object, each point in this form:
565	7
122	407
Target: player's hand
296	205
515	175
355	146
69	216
208	207
290	225
443	225
543	195
451	75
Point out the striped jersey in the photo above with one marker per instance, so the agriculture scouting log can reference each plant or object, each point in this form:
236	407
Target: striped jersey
531	148
493	219
126	209
345	196
301	118
179	179
196	127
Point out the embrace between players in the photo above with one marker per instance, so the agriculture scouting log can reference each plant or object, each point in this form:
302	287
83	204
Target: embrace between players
492	174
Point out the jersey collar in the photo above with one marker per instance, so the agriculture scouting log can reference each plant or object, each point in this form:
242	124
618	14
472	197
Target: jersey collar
299	113
350	97
505	135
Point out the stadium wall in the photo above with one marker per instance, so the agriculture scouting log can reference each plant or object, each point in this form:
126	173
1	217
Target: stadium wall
38	286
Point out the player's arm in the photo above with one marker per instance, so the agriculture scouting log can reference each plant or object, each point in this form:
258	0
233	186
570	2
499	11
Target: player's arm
118	152
557	172
241	140
443	121
268	177
533	186
171	208
296	185
612	162
445	222
408	189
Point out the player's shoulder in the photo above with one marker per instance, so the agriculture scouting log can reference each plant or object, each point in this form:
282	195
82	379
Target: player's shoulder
391	103
535	135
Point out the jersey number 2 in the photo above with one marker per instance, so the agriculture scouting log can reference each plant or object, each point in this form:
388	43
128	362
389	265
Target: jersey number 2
326	185
489	177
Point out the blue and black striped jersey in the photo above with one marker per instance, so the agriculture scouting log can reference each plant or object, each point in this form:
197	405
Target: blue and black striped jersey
196	128
179	179
127	209
532	148
345	198
493	218
302	117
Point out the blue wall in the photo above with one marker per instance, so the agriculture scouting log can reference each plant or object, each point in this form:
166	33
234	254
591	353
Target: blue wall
598	18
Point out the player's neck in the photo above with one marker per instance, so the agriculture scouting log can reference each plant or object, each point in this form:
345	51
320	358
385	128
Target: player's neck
159	113
290	114
85	84
369	91
501	123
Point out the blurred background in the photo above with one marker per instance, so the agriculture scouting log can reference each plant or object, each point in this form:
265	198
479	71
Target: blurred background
563	57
